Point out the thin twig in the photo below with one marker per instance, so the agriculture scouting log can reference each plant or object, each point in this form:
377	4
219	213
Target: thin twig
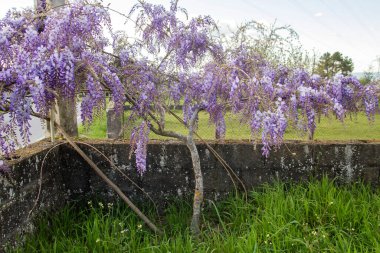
40	179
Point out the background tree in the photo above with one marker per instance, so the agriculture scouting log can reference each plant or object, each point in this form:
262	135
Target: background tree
368	76
331	64
278	45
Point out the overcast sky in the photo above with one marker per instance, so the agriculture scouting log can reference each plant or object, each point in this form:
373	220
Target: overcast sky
349	26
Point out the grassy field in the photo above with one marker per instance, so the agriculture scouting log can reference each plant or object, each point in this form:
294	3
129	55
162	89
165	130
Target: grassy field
314	217
357	128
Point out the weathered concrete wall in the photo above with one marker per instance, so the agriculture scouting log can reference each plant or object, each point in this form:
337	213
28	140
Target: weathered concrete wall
19	190
170	170
66	176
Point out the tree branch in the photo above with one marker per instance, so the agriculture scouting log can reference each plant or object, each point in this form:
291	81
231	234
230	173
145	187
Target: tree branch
193	120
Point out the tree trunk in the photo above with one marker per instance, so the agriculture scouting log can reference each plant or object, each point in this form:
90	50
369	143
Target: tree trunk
198	177
67	115
310	136
198	191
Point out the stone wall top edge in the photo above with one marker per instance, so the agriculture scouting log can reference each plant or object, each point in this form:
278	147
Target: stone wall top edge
43	145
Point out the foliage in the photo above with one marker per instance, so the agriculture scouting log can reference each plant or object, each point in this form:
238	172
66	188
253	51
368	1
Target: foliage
39	66
331	64
314	217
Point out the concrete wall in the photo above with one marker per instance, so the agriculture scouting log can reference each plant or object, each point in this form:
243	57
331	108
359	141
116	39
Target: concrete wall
66	176
19	190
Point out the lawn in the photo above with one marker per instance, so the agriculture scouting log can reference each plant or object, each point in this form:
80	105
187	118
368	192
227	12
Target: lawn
357	128
314	217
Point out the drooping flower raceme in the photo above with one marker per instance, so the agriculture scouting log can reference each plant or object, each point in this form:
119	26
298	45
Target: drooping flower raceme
139	140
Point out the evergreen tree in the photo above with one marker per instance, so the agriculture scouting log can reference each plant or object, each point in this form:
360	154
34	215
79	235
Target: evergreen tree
331	64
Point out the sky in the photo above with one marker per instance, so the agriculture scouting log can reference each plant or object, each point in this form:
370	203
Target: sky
349	26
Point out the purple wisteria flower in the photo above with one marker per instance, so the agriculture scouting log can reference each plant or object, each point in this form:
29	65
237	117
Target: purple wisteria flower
139	140
4	168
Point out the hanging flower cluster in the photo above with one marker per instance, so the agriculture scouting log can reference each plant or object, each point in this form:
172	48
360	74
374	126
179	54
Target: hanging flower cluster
38	66
49	58
139	140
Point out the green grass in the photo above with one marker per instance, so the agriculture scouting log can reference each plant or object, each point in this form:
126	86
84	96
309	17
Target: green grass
314	217
358	128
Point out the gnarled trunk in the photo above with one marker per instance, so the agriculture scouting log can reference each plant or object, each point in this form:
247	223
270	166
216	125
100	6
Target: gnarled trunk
198	191
198	177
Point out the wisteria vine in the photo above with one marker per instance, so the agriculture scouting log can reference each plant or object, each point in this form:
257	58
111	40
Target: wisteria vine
170	60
